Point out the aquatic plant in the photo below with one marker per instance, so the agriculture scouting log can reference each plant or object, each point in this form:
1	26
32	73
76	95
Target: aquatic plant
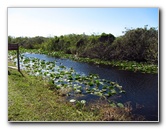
72	100
60	77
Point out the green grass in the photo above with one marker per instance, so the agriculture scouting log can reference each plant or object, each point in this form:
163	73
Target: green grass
29	99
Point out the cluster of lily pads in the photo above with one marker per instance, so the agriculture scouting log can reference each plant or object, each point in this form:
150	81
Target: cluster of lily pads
62	77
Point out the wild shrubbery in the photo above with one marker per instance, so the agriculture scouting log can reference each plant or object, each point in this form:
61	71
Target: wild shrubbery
140	45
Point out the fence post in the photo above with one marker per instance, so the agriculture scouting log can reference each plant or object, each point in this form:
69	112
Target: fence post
18	59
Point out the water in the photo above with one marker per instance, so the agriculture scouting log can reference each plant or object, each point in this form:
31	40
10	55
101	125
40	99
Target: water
141	89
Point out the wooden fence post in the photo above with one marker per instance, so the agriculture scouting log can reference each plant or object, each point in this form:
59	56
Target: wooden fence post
18	60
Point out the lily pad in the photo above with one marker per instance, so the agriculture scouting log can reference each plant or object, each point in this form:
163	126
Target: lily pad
72	100
120	105
83	101
113	105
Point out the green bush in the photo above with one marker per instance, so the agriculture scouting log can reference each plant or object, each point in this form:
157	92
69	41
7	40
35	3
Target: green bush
140	45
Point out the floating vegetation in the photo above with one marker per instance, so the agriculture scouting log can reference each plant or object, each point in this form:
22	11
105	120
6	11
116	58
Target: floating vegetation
61	77
72	100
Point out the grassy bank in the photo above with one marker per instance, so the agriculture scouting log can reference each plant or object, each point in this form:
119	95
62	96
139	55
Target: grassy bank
31	99
120	64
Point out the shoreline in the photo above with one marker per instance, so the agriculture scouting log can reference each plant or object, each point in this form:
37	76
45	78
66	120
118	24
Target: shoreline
120	64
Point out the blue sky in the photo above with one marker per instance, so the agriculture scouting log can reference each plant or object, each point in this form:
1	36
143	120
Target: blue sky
46	22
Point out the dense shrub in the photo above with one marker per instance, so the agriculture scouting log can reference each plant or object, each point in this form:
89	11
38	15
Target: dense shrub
140	44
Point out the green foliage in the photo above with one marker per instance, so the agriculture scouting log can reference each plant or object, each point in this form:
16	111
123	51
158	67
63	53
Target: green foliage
109	38
27	42
140	45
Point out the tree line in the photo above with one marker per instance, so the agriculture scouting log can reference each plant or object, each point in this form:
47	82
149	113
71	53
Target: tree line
140	45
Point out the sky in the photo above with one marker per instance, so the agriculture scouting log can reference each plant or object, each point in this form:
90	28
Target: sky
31	22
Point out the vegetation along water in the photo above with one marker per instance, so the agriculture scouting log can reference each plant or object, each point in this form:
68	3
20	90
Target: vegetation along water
137	50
